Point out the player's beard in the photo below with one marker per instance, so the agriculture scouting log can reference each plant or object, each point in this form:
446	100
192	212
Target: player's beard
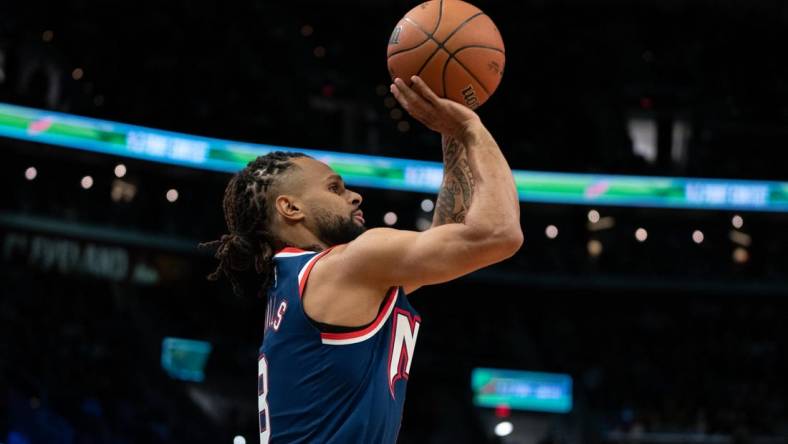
334	229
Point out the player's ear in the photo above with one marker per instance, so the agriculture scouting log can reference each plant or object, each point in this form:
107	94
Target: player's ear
289	208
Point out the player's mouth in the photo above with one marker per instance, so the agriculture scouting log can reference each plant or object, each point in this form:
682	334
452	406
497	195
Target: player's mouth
359	216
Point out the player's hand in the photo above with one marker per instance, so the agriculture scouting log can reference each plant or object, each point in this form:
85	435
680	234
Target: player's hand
442	115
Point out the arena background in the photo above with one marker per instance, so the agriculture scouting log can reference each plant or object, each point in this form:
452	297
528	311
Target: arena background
676	336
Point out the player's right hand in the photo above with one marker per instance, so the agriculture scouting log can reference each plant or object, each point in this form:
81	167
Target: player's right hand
442	115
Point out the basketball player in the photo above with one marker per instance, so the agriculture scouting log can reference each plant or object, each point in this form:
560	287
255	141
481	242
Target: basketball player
340	334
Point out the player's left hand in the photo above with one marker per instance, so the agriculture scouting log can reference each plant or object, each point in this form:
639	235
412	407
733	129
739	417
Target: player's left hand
442	115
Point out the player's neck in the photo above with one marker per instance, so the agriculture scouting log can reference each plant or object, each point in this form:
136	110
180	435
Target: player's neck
301	238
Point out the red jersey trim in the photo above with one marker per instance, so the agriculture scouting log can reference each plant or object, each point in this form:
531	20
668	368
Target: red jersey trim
304	274
291	250
372	329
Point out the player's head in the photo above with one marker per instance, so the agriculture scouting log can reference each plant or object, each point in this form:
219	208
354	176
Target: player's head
281	199
311	199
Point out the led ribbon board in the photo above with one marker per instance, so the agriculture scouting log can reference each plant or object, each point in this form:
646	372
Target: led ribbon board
521	390
185	358
119	139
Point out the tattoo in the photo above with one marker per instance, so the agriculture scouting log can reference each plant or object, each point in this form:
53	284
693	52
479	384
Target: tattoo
456	191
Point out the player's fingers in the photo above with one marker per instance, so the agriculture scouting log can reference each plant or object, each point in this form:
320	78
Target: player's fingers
413	103
422	88
398	95
411	96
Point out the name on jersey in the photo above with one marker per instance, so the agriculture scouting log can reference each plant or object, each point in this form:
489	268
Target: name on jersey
273	319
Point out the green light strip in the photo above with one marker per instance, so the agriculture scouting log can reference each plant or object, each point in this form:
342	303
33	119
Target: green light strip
385	172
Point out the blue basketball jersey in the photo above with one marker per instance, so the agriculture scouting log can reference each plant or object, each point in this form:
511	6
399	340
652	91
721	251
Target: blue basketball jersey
318	387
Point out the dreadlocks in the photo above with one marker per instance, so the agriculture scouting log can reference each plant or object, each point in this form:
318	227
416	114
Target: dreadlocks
245	253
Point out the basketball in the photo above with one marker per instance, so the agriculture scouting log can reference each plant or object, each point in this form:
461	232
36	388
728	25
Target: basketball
453	46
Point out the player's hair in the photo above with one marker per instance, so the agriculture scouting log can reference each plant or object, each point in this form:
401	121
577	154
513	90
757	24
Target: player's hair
245	253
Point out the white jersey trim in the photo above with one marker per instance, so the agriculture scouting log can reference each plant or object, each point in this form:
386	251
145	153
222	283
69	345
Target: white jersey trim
300	253
380	323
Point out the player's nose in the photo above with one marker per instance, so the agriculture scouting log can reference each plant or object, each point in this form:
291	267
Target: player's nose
355	198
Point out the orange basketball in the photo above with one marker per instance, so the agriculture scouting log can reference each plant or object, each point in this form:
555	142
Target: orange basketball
453	46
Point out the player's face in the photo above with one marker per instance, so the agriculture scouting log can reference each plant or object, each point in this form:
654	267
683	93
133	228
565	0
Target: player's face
332	210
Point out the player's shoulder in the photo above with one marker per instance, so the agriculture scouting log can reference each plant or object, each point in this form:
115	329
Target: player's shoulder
371	241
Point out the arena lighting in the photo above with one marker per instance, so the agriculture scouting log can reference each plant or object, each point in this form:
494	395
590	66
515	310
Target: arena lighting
551	231
593	216
120	170
172	195
697	236
504	428
641	234
605	223
503	411
423	224
389	173
390	218
31	173
239	440
77	74
740	255
122	191
86	182
737	221
643	132
594	248
427	205
737	237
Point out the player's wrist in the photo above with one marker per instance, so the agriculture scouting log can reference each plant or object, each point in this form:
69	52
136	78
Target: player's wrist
468	130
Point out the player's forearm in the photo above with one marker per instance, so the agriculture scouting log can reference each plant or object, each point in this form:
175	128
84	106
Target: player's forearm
495	206
456	192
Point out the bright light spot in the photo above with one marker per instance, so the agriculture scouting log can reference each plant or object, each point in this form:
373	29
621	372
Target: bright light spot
641	234
239	440
504	428
122	191
77	73
172	195
31	173
697	236
87	182
120	170
594	248
737	221
427	205
423	224
593	216
390	218
551	231
740	255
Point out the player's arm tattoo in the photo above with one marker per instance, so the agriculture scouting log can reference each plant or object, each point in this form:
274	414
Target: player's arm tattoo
454	197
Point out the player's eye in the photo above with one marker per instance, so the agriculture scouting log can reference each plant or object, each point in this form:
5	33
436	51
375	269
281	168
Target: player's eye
334	188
